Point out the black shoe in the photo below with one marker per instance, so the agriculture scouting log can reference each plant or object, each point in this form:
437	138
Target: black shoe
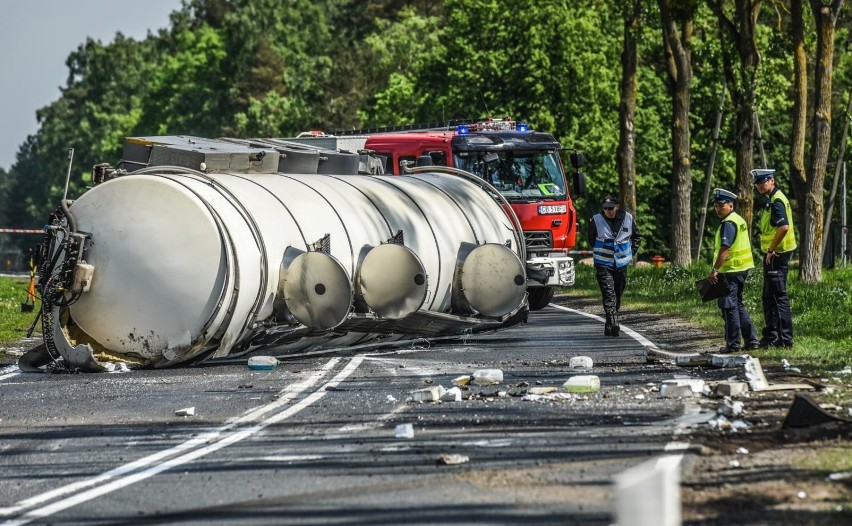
616	328
608	325
786	345
729	350
752	346
766	344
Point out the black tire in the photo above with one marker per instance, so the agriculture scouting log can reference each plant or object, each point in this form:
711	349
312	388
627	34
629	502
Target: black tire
539	297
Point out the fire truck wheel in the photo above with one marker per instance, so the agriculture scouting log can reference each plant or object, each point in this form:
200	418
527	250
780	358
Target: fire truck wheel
539	297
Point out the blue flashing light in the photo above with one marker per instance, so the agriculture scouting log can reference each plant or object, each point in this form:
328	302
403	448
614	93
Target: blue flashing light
522	127
462	129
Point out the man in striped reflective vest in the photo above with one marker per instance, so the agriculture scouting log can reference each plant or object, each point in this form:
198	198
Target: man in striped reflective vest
733	261
615	239
777	241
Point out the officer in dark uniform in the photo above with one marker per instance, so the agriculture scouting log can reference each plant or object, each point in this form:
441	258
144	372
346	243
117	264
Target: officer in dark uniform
777	242
615	239
732	259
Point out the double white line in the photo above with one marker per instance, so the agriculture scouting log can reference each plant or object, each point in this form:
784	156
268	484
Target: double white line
144	468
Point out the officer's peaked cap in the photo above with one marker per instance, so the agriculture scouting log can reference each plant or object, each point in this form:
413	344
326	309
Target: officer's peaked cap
762	174
720	195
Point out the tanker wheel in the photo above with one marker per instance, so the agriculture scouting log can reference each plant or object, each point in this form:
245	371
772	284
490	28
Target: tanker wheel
539	297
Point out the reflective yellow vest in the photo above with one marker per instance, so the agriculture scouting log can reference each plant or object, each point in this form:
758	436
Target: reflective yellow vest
767	231
739	256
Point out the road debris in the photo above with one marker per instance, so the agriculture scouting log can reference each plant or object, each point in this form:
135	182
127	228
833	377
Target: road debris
262	363
672	390
462	380
582	384
453	394
404	431
580	362
757	381
428	394
450	459
541	390
487	376
729	388
186	411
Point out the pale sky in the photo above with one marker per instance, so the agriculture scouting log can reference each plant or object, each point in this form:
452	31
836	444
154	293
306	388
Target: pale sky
36	36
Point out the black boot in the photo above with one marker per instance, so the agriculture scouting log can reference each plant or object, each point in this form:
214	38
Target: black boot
616	328
608	325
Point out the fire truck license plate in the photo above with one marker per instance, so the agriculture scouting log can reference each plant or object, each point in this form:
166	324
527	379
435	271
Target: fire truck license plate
551	209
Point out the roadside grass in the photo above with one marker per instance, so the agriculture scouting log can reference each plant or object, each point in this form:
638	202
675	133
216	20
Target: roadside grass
13	322
821	312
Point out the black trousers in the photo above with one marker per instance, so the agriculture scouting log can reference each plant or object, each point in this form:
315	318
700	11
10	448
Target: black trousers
776	304
737	320
612	283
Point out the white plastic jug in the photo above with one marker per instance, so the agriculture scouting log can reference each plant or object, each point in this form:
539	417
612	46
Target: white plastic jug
587	383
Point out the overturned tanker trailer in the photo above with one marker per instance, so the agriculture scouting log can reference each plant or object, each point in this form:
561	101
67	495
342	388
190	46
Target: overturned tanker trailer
194	249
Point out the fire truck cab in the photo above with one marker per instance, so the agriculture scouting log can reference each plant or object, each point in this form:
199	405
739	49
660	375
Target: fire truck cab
524	166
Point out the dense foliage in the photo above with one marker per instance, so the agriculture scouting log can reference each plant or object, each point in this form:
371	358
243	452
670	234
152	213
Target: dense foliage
277	68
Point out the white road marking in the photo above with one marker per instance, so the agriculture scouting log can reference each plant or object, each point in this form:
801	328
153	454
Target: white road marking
628	331
130	472
8	372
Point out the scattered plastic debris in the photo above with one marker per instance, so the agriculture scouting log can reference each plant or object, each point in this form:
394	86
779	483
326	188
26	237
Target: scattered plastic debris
787	367
186	411
841	476
427	394
541	390
449	459
671	390
729	408
461	380
116	367
262	363
729	388
404	431
802	495
734	463
391	398
742	451
487	377
580	362
453	394
582	384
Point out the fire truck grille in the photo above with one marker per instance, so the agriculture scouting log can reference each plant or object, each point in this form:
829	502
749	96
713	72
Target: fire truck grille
539	240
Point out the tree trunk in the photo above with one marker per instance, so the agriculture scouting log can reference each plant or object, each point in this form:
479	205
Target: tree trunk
679	63
810	246
626	155
738	33
798	176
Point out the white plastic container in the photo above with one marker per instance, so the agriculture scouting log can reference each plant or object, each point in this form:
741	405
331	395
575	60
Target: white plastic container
587	383
404	431
262	363
487	377
580	362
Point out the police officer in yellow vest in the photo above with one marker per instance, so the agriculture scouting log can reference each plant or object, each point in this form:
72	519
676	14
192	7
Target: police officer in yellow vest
615	238
777	242
732	260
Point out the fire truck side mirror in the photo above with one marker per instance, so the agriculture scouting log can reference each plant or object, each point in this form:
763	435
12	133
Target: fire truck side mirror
577	160
579	184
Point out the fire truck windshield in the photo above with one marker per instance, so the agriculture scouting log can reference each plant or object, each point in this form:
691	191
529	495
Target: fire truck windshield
518	175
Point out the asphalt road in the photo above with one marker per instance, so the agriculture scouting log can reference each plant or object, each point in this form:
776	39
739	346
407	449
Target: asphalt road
313	442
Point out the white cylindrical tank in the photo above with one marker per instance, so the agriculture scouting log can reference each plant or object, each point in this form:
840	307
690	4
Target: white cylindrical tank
190	262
